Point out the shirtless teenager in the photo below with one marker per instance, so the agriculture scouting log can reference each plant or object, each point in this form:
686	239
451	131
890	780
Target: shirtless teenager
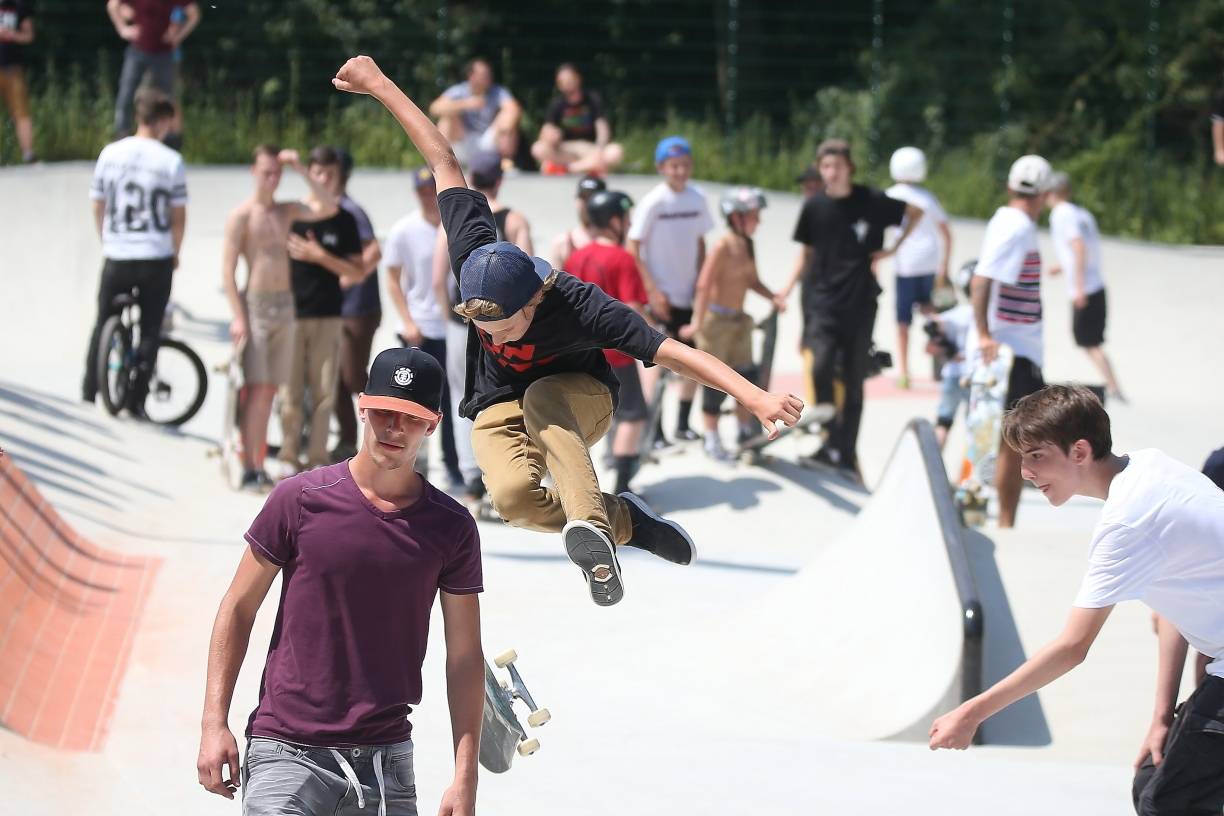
257	230
720	326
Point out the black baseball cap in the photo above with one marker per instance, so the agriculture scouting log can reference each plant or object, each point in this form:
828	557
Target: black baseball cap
590	185
809	173
406	380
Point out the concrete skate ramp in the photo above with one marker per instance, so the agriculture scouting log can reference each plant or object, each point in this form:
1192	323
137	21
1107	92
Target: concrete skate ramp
68	615
882	629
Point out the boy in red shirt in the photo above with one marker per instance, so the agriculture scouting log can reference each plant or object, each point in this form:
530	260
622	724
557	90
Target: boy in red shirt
607	264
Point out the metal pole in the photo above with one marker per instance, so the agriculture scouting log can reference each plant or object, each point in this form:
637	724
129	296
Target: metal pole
877	70
1008	35
729	108
440	52
1153	76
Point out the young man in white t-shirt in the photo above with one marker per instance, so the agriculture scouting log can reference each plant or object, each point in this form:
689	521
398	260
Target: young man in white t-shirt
667	237
1006	297
1077	247
1160	540
409	264
919	260
139	193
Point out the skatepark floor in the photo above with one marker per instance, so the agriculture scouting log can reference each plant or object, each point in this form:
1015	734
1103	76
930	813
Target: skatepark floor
653	712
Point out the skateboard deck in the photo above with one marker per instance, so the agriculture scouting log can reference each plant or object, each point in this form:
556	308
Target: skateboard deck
769	329
501	733
987	384
812	420
229	449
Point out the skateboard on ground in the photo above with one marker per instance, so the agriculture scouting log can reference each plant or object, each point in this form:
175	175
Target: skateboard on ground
501	734
987	384
813	420
229	449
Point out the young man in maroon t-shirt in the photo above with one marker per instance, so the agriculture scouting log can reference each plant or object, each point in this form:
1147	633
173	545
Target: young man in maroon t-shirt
607	264
364	546
152	37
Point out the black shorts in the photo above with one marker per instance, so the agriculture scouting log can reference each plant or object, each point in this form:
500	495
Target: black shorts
632	404
1088	323
1025	379
679	317
1190	779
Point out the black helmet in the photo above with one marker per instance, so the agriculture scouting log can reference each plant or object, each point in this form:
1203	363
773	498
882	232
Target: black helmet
589	186
606	204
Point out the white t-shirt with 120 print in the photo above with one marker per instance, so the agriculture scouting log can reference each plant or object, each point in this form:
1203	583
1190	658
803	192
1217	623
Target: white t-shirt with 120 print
1160	540
140	180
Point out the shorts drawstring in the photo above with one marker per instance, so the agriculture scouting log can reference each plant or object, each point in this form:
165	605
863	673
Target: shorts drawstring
351	775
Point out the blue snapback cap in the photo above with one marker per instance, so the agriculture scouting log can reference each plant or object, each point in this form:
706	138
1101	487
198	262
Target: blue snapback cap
672	146
504	274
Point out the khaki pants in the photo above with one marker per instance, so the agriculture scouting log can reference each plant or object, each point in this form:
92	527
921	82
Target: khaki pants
316	363
550	430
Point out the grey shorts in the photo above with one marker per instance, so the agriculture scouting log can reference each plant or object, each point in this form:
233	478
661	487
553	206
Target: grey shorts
279	778
269	349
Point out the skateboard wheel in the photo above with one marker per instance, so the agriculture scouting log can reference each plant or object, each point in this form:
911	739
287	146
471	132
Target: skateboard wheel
505	659
504	683
537	718
528	747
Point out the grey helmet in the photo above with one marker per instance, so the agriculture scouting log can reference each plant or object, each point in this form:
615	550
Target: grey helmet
741	200
605	205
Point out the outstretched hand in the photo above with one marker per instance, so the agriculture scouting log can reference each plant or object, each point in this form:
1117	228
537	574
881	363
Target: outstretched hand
953	730
359	75
773	408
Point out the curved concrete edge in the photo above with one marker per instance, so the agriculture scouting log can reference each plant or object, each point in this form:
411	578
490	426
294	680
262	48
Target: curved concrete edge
880	631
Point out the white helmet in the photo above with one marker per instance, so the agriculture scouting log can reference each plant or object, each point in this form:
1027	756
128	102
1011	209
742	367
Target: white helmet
1029	175
908	164
741	200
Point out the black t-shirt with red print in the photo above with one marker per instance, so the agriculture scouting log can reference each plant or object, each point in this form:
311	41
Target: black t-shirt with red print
576	119
572	325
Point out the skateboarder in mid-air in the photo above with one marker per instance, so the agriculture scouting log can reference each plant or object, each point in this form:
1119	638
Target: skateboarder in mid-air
363	548
539	388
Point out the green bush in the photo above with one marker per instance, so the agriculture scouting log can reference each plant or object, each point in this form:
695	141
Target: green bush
1133	191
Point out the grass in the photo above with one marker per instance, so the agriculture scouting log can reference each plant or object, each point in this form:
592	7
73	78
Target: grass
1132	193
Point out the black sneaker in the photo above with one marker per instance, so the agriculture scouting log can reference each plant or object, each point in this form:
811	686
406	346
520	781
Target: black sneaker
594	554
686	435
823	457
656	535
251	483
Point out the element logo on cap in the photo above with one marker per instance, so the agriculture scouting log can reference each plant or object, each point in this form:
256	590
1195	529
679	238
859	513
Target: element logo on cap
403	376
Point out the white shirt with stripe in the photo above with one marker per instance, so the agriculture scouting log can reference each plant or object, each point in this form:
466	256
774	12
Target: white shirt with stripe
1010	257
140	180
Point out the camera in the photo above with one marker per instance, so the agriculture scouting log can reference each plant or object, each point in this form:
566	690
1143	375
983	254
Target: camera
947	348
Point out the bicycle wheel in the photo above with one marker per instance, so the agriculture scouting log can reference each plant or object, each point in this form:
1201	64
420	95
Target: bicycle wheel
114	364
178	386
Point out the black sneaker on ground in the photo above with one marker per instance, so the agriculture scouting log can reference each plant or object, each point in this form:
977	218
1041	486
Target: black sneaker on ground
822	457
594	554
661	442
686	435
656	535
251	483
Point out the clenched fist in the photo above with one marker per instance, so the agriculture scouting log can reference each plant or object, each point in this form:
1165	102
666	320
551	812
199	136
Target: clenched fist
359	75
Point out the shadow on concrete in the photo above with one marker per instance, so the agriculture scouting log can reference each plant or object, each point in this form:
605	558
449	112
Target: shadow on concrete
55	460
820	481
700	492
71	484
49	407
1023	723
630	554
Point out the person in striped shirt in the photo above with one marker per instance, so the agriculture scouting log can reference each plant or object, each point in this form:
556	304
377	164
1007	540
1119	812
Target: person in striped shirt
1006	297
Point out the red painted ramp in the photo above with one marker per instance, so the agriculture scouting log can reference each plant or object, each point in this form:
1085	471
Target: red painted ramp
68	614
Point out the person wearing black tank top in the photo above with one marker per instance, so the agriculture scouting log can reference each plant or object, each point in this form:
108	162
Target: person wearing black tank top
539	389
511	226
